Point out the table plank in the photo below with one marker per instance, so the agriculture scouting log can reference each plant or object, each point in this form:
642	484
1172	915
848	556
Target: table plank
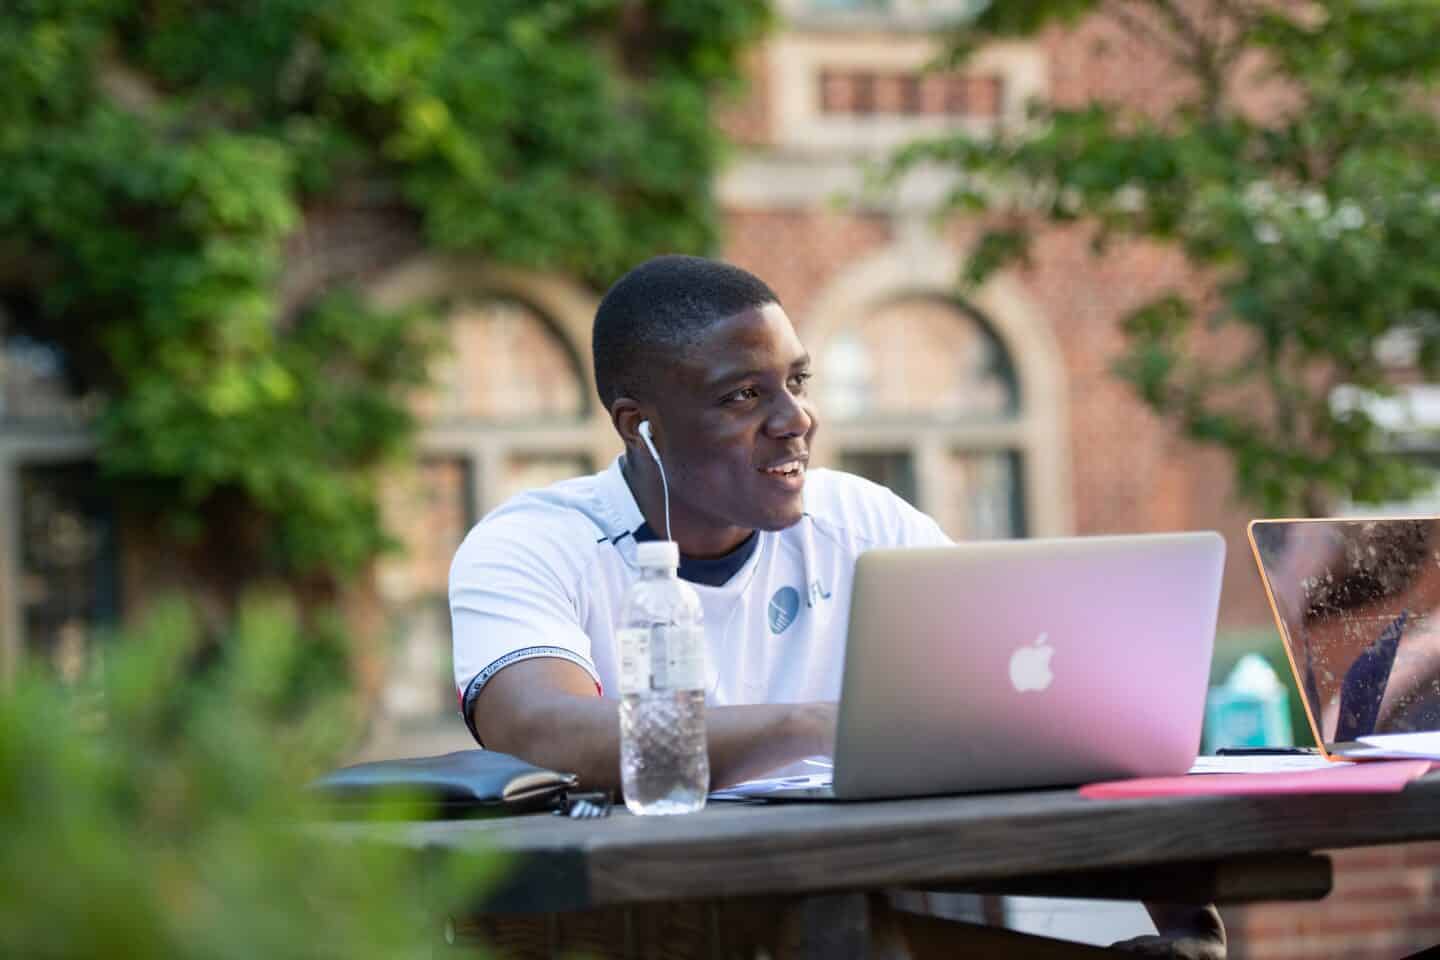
731	850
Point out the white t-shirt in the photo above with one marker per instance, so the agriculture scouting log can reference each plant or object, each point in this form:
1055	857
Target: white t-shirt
545	574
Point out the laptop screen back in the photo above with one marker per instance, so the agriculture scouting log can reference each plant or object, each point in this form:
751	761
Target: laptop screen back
1356	603
998	665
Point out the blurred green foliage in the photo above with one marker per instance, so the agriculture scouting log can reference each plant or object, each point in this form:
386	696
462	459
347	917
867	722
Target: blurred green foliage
160	811
1297	171
157	156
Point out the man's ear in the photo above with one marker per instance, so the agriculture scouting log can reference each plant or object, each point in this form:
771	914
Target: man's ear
626	414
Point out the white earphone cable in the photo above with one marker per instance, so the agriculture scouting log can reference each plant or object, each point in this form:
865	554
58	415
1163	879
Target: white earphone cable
665	487
664	483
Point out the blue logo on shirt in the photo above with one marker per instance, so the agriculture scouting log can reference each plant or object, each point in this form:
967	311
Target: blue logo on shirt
783	607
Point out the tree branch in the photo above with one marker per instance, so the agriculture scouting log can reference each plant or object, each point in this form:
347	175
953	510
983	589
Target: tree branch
1135	24
1187	29
1241	15
1203	58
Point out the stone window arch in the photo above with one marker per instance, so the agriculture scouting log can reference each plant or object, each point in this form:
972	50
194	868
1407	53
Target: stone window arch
907	390
918	357
506	362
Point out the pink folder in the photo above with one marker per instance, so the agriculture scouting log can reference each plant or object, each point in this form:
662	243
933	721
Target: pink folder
1385	776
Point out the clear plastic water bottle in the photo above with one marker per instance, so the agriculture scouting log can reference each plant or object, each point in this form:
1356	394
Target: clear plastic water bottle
664	765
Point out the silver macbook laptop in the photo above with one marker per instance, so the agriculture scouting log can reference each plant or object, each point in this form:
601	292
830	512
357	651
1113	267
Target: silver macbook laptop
1024	663
1355	602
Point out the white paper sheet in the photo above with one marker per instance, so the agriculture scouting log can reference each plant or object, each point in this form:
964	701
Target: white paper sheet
1250	763
751	789
1263	763
1401	745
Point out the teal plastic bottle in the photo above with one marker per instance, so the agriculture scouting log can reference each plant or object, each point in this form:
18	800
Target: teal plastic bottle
1250	709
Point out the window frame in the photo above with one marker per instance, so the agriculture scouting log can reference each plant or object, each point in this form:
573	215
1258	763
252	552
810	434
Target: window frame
932	443
24	444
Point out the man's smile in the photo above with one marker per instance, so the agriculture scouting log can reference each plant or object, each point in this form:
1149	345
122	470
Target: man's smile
790	472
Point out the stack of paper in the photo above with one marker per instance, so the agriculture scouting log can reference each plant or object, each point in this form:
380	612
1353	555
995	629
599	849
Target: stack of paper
1401	745
1263	763
755	789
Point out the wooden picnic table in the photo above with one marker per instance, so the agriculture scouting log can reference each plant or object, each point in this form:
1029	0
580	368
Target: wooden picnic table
733	879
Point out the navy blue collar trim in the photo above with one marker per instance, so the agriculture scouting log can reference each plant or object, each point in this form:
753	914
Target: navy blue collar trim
713	571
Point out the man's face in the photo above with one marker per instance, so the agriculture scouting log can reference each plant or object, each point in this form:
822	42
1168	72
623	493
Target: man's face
737	424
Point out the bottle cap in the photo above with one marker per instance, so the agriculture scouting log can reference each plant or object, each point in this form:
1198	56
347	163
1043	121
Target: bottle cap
1253	675
658	553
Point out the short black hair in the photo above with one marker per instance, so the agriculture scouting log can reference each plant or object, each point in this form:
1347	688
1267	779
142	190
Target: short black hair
663	304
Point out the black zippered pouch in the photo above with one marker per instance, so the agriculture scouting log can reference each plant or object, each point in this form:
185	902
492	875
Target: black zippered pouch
466	783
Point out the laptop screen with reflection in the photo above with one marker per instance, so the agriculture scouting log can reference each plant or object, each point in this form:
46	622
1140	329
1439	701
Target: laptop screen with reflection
1356	602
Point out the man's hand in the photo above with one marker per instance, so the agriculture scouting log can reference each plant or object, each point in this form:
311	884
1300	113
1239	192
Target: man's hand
815	723
1186	933
1178	948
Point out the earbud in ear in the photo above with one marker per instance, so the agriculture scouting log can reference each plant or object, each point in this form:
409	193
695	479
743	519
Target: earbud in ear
644	429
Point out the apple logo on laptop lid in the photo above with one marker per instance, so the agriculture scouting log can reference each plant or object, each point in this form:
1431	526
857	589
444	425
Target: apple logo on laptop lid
1030	665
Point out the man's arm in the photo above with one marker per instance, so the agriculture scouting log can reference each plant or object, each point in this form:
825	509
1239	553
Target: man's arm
546	711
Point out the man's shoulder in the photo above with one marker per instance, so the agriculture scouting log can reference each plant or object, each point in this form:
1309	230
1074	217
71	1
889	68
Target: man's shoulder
569	517
863	514
837	496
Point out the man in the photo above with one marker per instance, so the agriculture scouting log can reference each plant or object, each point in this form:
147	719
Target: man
704	352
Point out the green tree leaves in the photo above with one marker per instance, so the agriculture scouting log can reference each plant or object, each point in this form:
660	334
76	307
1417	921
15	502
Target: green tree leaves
159	158
1311	207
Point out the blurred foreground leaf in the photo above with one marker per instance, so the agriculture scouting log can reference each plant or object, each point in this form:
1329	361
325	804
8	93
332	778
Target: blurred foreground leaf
161	811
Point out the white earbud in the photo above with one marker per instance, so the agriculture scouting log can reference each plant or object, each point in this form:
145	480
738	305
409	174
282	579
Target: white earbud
649	441
644	430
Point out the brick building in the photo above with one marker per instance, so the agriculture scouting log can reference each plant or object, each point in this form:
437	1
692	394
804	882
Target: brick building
997	414
1069	449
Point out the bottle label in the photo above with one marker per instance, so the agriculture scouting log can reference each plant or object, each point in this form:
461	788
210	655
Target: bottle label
634	660
677	658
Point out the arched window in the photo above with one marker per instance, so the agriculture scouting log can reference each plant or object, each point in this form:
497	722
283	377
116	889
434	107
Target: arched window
499	416
510	407
509	398
919	394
